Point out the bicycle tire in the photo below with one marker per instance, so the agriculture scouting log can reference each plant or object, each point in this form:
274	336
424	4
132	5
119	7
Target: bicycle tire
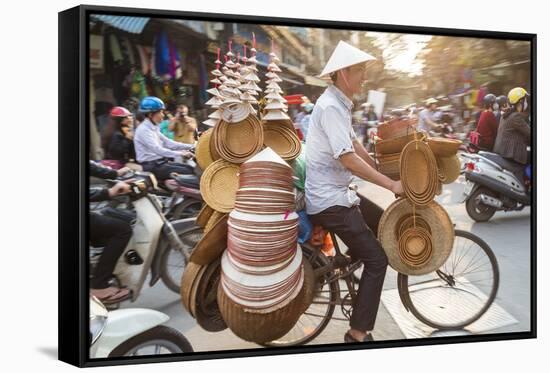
409	304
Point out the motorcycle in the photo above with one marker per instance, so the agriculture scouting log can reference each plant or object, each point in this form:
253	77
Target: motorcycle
132	332
180	196
154	241
493	184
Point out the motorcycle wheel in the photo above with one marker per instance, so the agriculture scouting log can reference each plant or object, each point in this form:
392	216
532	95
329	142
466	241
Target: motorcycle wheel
187	209
478	211
156	341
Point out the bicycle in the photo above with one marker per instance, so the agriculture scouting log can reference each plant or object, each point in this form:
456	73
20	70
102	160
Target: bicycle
420	295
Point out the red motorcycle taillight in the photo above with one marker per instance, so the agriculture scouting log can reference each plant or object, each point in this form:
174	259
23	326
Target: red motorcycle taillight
470	166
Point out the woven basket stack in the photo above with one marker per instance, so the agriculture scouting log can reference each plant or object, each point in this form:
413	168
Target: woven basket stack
247	257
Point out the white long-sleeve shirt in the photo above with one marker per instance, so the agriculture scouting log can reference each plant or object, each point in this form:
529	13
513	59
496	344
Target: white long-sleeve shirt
151	144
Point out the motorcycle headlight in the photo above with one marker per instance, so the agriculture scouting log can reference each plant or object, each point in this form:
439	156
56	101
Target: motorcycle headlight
98	318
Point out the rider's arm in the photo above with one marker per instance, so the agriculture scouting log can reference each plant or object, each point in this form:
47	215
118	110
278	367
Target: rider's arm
102	172
362	169
362	152
147	139
99	194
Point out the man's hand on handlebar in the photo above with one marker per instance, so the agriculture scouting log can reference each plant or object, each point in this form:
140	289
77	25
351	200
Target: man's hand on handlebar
187	154
123	170
119	188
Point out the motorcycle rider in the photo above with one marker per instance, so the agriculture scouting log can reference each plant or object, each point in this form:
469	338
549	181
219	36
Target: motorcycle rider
426	117
514	133
118	137
154	151
487	126
112	233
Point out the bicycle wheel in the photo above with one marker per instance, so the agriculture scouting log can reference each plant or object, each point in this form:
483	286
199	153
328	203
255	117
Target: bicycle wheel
314	320
458	293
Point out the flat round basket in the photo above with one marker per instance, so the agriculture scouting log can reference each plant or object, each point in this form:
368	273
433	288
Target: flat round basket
433	219
449	168
202	150
219	184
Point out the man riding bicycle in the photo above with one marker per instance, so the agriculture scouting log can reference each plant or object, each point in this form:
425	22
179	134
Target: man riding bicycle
333	156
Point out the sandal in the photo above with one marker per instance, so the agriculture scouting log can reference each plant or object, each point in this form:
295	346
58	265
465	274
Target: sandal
348	338
111	295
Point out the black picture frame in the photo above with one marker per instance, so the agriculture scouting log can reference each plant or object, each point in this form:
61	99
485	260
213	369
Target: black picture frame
73	182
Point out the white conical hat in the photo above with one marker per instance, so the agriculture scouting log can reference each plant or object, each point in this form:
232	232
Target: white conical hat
252	60
267	155
216	81
216	114
275	115
275	105
273	67
344	55
214	92
216	72
213	101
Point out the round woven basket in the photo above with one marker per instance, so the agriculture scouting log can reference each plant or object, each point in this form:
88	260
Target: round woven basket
188	280
418	170
212	244
238	142
219	184
444	147
440	229
396	145
260	326
202	150
282	140
449	168
396	128
203	216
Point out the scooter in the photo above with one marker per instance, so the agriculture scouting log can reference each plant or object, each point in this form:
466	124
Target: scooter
153	241
492	185
132	332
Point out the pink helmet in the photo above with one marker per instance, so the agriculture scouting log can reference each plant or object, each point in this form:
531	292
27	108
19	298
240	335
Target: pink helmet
119	111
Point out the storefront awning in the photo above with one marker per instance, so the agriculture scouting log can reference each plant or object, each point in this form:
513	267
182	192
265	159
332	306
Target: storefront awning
134	25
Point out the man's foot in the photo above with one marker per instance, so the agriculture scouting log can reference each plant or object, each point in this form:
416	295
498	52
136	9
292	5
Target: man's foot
349	337
111	294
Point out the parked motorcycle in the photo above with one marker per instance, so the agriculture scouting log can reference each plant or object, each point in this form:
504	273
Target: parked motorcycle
155	245
132	332
494	184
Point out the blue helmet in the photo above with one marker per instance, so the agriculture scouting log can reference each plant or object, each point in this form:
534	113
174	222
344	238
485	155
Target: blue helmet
151	104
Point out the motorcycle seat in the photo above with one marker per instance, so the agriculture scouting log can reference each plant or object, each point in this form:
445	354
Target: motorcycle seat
502	162
189	181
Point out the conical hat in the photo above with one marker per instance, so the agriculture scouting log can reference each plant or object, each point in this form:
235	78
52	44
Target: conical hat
344	55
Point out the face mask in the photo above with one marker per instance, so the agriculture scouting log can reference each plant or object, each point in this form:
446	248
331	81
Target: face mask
495	107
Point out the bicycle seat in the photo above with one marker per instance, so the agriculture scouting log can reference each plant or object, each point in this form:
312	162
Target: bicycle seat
188	181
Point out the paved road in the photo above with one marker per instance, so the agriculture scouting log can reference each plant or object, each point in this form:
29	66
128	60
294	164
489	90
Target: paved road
508	234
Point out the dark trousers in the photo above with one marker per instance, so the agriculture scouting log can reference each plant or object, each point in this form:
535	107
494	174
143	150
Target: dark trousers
163	169
355	226
114	234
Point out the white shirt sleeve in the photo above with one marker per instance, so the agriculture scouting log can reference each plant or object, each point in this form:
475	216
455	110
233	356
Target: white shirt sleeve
149	142
337	130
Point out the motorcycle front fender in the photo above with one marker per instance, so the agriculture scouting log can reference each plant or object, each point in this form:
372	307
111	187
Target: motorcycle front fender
124	324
